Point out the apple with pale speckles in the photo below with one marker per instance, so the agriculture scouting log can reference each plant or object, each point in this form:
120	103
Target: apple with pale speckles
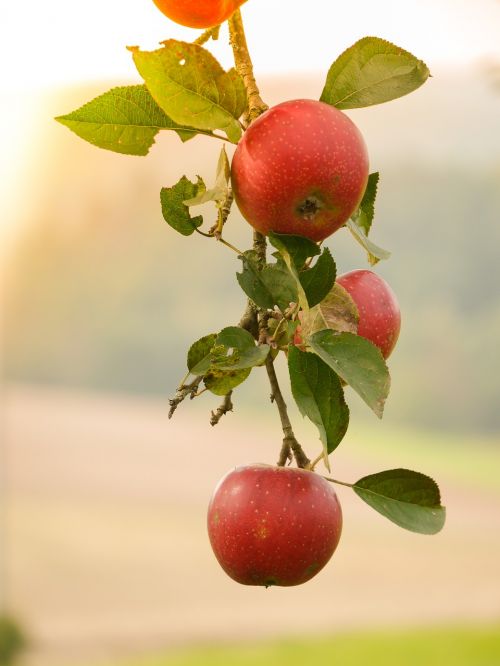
273	525
301	168
379	313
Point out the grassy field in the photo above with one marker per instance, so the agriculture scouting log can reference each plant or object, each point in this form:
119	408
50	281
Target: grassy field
439	647
108	559
471	460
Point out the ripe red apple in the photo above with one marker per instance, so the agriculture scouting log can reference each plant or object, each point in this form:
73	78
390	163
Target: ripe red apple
379	314
273	525
301	168
198	13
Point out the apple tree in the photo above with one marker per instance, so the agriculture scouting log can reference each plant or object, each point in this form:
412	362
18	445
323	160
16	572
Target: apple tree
299	173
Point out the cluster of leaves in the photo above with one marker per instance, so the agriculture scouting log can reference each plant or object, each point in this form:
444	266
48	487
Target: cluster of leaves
187	91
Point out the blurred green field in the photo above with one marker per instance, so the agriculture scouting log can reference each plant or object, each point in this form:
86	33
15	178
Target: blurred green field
113	539
471	460
437	647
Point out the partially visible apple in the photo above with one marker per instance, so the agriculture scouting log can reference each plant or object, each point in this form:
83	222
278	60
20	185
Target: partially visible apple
301	168
198	13
337	311
379	314
273	525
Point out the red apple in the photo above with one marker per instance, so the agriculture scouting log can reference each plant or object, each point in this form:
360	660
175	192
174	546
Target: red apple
301	168
379	314
273	525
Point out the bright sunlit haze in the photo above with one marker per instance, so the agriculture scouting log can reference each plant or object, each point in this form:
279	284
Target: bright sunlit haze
57	42
104	551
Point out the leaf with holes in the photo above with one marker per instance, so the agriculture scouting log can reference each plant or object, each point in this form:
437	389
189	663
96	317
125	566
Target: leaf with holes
220	382
192	88
235	349
175	212
198	358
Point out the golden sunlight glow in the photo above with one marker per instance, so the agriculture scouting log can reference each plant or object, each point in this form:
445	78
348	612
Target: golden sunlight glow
57	44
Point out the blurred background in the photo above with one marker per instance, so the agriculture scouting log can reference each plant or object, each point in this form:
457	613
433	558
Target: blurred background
104	558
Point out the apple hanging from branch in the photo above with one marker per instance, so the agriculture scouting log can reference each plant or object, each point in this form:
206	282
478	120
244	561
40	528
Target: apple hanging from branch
378	308
301	168
299	173
273	525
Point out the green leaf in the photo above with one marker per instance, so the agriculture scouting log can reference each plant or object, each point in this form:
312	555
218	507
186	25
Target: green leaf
358	362
175	212
319	280
225	360
273	285
219	192
319	396
235	349
337	311
372	71
375	253
299	248
192	88
125	120
220	382
287	248
363	217
409	499
198	358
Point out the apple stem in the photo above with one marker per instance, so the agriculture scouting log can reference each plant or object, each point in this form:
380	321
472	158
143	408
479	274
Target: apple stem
231	247
290	442
316	461
220	239
244	67
340	483
211	33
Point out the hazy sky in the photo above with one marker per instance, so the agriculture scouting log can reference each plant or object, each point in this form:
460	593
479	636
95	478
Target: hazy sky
61	43
57	41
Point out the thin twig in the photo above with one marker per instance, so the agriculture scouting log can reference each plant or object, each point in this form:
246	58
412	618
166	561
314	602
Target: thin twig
290	442
225	407
254	319
182	393
244	67
224	210
317	460
260	246
249	319
211	33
